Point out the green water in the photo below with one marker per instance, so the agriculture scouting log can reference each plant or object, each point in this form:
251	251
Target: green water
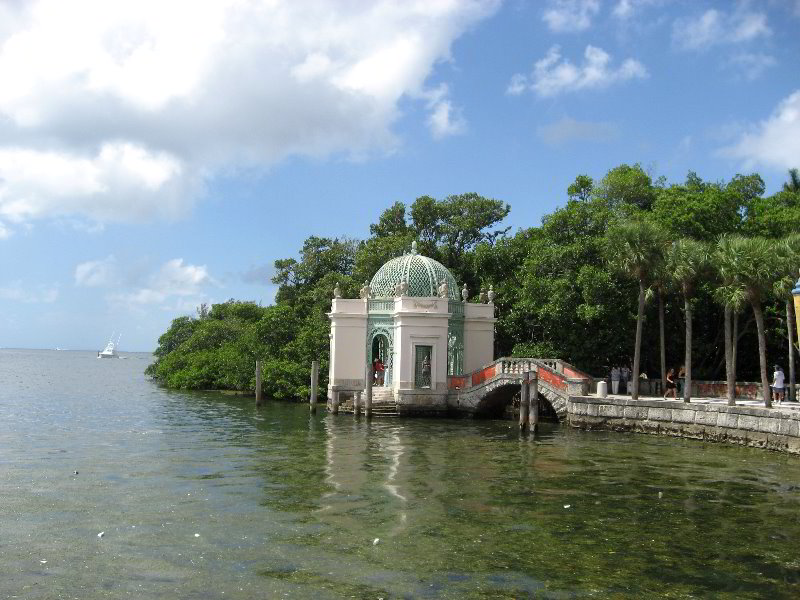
201	496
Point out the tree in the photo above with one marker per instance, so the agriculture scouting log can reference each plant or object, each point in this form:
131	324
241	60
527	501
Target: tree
627	186
581	188
793	185
688	260
753	268
637	249
391	222
774	216
789	257
704	211
452	227
662	280
560	286
731	295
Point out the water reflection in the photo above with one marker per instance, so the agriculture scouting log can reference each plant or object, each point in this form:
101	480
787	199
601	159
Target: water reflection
199	494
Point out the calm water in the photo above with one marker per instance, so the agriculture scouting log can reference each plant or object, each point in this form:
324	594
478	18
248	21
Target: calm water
200	496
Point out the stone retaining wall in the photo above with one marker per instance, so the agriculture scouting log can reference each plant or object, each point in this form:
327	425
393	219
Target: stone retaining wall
746	425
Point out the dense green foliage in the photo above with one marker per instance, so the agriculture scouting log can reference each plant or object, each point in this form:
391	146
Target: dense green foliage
568	288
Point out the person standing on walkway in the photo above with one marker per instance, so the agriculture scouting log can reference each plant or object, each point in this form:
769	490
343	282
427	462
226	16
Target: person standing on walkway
670	384
778	384
625	372
615	375
681	380
379	371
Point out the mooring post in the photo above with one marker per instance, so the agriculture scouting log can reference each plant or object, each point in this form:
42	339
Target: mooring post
335	402
312	401
524	401
357	404
258	383
368	393
534	396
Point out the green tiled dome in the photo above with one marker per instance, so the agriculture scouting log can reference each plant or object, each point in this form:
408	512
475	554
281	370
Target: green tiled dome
422	274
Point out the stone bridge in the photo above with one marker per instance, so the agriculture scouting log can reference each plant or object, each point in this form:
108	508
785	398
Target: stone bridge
490	389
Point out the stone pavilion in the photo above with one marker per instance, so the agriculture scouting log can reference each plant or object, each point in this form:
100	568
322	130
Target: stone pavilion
416	320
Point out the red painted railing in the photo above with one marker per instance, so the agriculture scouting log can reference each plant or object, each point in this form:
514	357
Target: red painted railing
457	382
551	371
483	375
554	379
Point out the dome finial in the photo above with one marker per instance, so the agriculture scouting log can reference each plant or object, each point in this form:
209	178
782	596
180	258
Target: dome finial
414	247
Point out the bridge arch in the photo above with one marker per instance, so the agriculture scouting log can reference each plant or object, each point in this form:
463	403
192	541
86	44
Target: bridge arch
494	403
489	390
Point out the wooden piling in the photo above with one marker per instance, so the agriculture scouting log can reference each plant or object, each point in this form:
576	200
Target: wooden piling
533	386
258	384
312	401
368	392
335	402
524	403
357	404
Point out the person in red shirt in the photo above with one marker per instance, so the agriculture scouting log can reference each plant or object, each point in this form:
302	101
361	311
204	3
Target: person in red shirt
379	370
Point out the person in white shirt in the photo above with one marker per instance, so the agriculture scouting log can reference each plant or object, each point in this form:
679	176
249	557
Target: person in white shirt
777	384
615	375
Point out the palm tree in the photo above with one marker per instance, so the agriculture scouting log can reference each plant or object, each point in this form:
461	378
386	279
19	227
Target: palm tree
789	256
793	185
754	269
732	297
637	249
688	261
662	279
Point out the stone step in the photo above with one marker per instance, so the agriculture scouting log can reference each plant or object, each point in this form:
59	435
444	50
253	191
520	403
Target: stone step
381	409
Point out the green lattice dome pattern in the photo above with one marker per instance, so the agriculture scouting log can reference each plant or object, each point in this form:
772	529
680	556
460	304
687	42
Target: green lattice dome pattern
422	274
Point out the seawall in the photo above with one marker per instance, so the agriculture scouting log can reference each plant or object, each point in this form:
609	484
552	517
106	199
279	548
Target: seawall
774	429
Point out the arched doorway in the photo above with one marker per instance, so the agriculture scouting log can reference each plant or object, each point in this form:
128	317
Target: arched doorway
381	347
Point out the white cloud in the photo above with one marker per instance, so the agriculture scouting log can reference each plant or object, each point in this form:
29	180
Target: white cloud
120	182
568	130
751	64
174	281
623	9
774	142
570	15
517	85
16	292
715	27
444	119
97	273
626	9
553	75
129	107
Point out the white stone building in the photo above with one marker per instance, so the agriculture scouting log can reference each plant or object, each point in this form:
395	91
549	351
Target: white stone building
413	317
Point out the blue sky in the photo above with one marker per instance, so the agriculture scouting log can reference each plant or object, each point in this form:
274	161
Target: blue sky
159	154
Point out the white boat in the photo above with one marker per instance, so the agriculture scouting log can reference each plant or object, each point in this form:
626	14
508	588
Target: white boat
110	351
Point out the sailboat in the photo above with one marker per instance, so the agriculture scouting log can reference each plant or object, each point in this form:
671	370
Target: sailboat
110	351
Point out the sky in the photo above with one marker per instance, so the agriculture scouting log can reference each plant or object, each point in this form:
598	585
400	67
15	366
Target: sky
157	154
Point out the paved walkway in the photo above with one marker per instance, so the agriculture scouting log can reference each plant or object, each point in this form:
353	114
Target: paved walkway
787	407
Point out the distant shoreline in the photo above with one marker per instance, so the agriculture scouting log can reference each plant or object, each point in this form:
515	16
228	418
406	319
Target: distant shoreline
72	350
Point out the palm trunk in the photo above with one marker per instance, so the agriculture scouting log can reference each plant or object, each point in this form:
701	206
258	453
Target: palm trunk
735	343
637	352
687	382
662	341
730	376
762	352
790	316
